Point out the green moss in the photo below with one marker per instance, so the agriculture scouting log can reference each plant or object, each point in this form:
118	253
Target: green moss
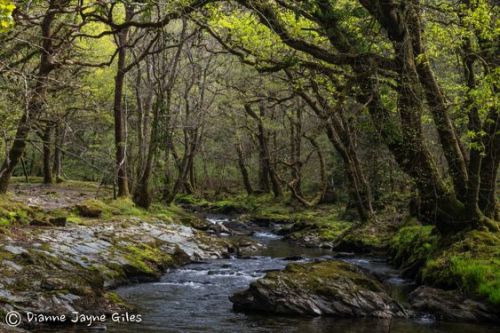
412	245
326	228
125	206
187	199
118	207
116	299
146	259
373	236
110	270
73	218
14	212
4	255
236	204
471	263
321	277
31	179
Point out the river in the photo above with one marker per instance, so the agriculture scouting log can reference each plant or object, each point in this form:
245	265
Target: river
194	298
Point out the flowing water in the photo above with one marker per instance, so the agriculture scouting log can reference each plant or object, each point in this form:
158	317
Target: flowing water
194	298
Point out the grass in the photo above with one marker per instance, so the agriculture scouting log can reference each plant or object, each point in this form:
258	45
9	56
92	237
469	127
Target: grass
471	263
124	209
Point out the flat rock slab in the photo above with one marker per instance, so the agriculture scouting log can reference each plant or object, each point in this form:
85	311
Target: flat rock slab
61	270
329	288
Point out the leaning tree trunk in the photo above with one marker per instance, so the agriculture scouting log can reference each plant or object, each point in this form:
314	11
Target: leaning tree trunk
450	143
340	137
439	205
243	169
358	188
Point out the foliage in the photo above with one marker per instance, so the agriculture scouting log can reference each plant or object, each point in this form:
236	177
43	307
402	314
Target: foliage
6	9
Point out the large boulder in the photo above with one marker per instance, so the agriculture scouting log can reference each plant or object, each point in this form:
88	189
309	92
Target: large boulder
451	305
328	288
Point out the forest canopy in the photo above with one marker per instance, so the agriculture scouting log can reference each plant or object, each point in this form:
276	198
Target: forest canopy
337	158
367	104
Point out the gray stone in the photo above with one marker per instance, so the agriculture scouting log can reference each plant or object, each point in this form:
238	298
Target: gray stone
451	305
329	288
14	249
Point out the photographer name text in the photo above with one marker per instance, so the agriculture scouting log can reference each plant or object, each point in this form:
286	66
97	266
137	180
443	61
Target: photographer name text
82	318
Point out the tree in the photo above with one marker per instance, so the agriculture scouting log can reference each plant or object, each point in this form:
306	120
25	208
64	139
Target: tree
48	47
415	81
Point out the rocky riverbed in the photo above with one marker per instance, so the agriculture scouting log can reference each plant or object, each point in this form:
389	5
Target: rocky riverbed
73	268
76	268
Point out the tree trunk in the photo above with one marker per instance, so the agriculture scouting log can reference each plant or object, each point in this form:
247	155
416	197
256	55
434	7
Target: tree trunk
489	166
475	158
142	195
58	154
450	143
243	169
47	152
439	206
340	137
119	117
296	151
267	171
324	185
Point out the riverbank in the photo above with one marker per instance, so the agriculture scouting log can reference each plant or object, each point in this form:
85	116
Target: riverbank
459	274
66	247
64	251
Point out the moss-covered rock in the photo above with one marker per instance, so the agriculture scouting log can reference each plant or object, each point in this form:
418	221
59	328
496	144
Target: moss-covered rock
330	288
89	209
144	262
318	231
